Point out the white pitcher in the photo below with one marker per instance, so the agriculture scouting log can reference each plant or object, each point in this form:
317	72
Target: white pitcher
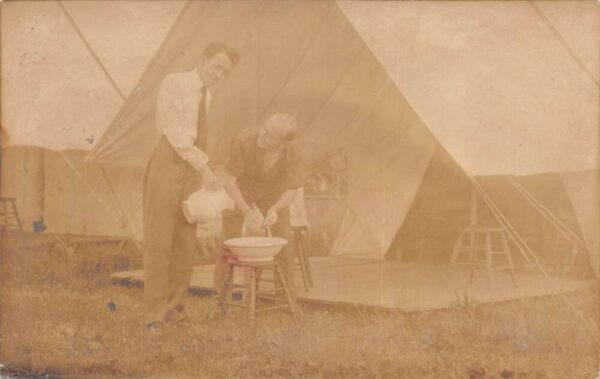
206	205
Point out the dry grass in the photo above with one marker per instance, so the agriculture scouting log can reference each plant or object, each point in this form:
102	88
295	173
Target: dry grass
56	319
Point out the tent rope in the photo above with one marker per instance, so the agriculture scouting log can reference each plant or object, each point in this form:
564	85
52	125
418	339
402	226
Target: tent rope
564	44
590	323
121	113
87	45
97	154
505	223
91	157
120	209
116	88
561	227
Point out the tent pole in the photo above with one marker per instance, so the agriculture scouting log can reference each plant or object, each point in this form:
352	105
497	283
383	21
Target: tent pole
473	208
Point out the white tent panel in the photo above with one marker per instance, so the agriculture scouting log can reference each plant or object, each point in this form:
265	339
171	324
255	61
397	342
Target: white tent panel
491	80
387	158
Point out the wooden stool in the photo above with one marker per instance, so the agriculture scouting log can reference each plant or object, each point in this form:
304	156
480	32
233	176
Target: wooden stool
250	288
477	241
9	215
300	249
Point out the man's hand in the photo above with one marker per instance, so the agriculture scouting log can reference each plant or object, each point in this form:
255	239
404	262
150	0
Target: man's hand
254	219
271	217
210	180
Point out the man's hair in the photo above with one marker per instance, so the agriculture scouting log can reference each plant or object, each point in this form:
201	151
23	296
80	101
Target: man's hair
215	48
289	121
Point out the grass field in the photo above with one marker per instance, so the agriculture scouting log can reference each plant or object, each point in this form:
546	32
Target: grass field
61	315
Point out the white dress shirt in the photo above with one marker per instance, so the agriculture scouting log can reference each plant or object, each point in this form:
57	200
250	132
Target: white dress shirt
177	114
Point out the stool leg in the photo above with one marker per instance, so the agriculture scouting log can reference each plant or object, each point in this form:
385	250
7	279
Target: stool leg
306	260
5	214
455	253
300	254
16	214
472	243
252	296
488	256
286	291
259	272
223	293
509	259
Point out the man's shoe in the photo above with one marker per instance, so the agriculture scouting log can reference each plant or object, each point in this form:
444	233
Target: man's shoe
155	328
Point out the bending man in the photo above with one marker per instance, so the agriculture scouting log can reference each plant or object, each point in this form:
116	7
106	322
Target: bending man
263	174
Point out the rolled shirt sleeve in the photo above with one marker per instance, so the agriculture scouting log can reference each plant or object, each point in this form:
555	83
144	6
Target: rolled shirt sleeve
177	124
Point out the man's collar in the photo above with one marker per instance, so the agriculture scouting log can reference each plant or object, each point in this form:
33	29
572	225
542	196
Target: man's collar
200	84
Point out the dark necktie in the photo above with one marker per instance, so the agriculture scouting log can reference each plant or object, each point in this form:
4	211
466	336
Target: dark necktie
202	127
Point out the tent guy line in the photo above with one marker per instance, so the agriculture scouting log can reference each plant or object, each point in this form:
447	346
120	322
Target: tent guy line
87	45
563	43
523	247
548	215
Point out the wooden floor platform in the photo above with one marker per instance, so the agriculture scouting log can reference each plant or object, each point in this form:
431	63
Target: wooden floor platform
397	285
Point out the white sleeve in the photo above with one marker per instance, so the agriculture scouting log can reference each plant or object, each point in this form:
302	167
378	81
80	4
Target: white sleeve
171	120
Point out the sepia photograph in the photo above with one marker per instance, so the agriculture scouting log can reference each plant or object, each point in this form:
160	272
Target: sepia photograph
300	189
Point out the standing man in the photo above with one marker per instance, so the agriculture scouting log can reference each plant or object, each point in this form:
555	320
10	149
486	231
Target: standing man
177	168
263	174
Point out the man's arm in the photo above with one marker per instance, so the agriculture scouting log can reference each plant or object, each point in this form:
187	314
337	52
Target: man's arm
171	119
230	185
285	200
293	181
232	189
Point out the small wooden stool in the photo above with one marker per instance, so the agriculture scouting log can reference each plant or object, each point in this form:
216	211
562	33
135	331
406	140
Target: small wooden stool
477	241
9	215
251	289
300	249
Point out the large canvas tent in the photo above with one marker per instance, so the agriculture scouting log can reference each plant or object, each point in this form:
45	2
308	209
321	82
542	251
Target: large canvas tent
380	83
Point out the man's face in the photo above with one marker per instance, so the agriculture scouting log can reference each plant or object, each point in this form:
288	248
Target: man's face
213	70
270	136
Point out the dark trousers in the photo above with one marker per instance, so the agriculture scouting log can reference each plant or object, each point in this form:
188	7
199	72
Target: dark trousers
169	240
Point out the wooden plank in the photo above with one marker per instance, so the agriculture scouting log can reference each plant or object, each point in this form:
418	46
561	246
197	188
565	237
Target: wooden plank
396	285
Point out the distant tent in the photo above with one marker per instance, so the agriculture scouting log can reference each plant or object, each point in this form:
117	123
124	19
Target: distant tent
66	69
303	58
